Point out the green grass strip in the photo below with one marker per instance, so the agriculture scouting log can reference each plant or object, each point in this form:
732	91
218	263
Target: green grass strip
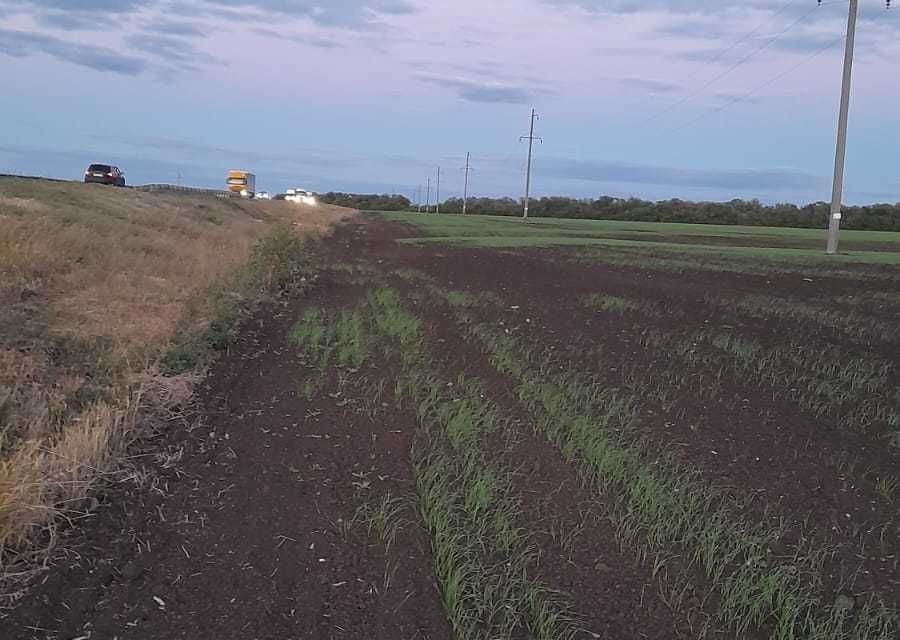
663	506
481	557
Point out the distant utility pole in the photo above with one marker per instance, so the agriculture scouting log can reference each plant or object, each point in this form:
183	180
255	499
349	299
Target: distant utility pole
531	138
419	198
437	197
466	183
428	195
840	154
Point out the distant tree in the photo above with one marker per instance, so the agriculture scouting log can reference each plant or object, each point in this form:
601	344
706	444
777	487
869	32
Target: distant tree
366	202
877	217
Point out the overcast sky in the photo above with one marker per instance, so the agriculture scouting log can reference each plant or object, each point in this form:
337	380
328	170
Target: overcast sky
701	99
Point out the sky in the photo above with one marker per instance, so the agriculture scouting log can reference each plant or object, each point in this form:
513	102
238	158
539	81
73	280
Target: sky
694	99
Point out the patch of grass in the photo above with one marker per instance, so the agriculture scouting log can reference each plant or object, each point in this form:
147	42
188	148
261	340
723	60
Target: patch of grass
278	265
827	381
482	558
865	247
384	518
805	315
661	507
831	382
623	306
99	289
675	262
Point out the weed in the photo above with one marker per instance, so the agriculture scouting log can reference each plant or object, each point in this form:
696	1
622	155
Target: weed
886	488
615	304
383	518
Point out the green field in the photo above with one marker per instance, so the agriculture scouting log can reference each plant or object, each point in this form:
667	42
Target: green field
705	241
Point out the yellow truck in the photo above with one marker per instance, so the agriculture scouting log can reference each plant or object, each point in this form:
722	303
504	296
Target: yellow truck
242	182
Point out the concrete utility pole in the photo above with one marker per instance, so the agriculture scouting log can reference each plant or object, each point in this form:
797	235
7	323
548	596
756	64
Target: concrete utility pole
437	197
834	221
531	138
466	183
428	195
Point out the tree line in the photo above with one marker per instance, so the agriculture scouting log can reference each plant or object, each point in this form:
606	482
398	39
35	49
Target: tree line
366	202
875	217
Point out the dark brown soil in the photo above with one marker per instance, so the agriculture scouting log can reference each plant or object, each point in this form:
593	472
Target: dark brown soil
612	595
239	529
802	468
242	535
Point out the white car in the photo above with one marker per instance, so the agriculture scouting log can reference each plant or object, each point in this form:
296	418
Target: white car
263	195
300	196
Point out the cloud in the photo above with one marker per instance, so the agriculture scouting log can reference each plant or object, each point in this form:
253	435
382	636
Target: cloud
90	6
72	21
172	50
699	7
628	51
757	180
174	27
648	85
349	14
478	91
310	40
21	44
729	97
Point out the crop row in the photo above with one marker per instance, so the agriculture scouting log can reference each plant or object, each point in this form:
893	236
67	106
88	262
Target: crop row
853	390
665	509
482	556
657	260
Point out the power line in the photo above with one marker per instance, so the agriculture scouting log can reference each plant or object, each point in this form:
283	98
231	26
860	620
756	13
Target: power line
758	88
750	34
730	69
771	80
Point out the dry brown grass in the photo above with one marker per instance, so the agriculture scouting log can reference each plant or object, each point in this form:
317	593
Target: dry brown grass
95	282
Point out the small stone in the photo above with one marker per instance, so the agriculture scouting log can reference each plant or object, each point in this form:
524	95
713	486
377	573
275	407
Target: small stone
602	567
844	603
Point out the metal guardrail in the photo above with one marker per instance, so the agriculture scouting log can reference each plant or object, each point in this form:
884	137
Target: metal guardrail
13	175
151	188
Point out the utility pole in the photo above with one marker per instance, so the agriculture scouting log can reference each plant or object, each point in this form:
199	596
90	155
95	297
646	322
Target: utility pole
531	138
834	221
437	197
428	195
466	183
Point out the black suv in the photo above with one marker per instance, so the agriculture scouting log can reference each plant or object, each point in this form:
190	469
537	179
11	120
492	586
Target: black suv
104	174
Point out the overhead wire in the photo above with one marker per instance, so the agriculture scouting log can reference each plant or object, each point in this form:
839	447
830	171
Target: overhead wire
696	92
758	88
752	33
765	84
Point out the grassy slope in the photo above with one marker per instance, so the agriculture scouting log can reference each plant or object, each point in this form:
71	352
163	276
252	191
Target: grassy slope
96	285
873	247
